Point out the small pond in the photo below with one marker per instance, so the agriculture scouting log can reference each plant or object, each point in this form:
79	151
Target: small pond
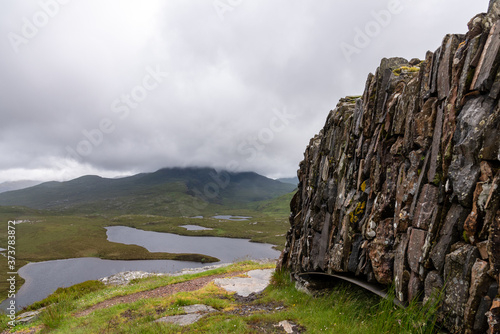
234	218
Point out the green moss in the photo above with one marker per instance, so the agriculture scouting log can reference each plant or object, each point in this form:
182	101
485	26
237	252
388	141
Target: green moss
352	99
470	77
437	179
448	154
465	237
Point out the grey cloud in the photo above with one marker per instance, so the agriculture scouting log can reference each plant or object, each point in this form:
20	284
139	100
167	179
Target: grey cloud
225	78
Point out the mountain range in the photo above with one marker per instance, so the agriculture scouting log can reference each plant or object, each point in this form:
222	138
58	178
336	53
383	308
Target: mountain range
168	191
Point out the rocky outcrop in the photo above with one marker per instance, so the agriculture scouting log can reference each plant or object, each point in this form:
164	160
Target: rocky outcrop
126	277
401	186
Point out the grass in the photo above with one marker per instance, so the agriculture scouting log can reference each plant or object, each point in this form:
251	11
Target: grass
417	318
66	294
53	315
343	309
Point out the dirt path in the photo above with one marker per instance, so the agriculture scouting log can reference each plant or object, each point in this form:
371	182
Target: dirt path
166	290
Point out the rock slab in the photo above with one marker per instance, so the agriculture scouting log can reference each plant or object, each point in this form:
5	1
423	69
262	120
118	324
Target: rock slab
193	313
256	281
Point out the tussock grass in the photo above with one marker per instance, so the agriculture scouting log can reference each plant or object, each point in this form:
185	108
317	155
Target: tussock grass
54	315
67	294
417	318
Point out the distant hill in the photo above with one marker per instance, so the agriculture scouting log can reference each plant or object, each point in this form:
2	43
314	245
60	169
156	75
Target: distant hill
169	191
290	180
16	185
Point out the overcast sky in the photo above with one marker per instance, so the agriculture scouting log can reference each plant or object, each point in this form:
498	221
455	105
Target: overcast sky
115	87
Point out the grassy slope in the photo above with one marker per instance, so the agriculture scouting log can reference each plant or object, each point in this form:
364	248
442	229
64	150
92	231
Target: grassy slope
344	309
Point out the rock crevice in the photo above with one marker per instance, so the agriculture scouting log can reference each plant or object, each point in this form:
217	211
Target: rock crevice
401	186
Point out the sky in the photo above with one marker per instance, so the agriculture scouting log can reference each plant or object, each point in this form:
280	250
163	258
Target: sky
118	87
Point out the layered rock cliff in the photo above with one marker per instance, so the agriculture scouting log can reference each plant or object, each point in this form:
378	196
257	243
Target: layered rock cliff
401	186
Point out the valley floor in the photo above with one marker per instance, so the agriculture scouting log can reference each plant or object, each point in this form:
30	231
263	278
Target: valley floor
44	236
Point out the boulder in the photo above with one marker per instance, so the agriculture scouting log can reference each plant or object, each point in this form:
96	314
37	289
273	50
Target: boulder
457	274
448	235
415	248
490	60
465	169
479	285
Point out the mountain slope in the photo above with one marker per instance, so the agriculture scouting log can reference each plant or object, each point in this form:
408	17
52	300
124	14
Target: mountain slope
166	191
291	180
16	185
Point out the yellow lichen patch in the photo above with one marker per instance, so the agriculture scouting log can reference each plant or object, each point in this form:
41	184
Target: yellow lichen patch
363	186
357	213
405	69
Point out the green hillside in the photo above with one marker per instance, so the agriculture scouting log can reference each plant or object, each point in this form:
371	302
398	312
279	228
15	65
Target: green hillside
170	192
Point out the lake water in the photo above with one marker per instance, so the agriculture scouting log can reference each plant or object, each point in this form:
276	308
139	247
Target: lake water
227	217
43	278
225	249
235	218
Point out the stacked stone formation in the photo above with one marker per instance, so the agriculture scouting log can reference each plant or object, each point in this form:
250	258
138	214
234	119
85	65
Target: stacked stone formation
401	186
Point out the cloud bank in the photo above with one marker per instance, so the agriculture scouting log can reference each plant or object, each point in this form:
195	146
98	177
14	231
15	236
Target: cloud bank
117	87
